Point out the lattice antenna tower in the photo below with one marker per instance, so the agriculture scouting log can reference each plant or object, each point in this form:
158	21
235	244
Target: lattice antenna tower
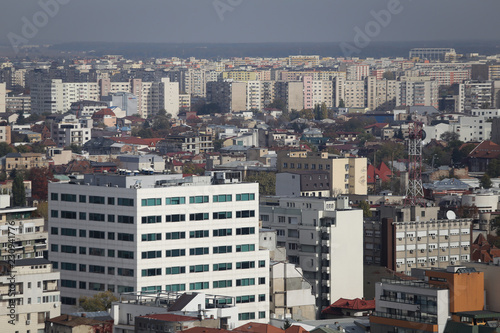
414	188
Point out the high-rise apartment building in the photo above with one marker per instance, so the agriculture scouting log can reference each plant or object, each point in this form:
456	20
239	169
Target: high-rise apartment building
323	236
160	232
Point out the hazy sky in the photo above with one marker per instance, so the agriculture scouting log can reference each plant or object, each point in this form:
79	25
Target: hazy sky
249	20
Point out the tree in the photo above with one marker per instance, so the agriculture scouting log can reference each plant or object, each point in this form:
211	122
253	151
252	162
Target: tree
18	191
40	178
99	302
365	206
450	136
341	103
5	149
192	169
389	75
266	180
486	181
278	104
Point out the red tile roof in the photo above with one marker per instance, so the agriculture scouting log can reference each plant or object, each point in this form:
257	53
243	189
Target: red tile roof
351	304
486	149
258	328
296	329
131	140
205	330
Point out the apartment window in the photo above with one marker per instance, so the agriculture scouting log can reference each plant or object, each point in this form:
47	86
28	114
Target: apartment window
97	234
68	249
245	196
222	198
111	253
151	219
125	237
175	270
111	271
198	268
111	235
151	272
151	254
94	199
82	216
262	263
222	249
82	198
262	280
111	201
262	297
97	269
175	218
111	218
54	247
151	202
198	217
54	196
97	217
67	266
125	202
68	197
198	199
125	254
175	201
175	287
198	251
125	272
223	284
198	285
125	219
67	232
151	237
245	213
281	219
222	215
54	213
199	234
245	264
245	231
96	252
222	232
82	250
262	314
245	248
68	215
245	282
175	253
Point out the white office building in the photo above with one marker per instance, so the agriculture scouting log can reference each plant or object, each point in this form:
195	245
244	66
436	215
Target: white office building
160	232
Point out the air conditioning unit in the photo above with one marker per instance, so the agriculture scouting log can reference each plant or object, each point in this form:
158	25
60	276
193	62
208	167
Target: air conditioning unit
409	264
430	250
443	249
452	262
411	238
419	238
433	236
422	264
466	248
446	237
433	262
411	251
400	238
28	322
422	251
398	265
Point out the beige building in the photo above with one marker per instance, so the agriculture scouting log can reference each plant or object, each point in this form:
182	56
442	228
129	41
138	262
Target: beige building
36	296
23	161
5	133
348	175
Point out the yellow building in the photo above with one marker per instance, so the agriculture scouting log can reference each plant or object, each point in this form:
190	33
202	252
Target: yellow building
348	174
240	75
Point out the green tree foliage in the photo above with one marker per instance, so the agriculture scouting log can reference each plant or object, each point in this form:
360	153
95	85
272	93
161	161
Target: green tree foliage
450	136
18	191
20	119
388	151
99	302
5	149
278	104
209	108
192	169
266	180
494	168
389	75
42	210
365	206
341	103
320	111
307	114
486	181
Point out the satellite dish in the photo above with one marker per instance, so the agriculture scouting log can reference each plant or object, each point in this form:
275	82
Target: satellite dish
450	215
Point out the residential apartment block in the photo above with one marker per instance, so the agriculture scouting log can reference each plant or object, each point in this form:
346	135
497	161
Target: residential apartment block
160	233
36	295
317	233
347	174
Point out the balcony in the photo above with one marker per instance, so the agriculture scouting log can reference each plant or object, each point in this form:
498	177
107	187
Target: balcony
425	319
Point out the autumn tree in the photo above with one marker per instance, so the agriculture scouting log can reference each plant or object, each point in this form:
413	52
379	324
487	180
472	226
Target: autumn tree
99	302
40	178
365	206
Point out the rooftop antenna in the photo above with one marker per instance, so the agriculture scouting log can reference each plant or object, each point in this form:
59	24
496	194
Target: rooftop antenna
414	188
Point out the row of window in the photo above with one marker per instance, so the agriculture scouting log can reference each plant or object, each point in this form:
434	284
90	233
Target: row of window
149	219
306	166
93	251
67	266
97	234
197	268
91	286
93	199
204	284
